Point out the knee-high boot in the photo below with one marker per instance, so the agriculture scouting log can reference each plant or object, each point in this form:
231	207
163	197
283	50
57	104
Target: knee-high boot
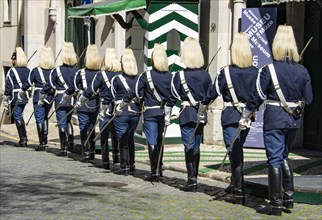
70	137
92	146
115	147
275	193
238	183
153	154
63	147
131	156
41	136
191	185
46	131
105	150
21	127
85	150
124	158
288	184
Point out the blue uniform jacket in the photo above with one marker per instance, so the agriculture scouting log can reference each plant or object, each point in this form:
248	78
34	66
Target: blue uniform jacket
100	86
93	103
35	79
119	93
295	83
12	86
68	74
244	82
200	86
162	84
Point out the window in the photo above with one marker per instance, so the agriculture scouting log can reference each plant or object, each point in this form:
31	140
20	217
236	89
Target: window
173	40
7	11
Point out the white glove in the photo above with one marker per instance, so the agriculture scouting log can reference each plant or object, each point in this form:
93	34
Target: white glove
102	113
201	113
41	98
6	102
81	100
167	115
120	107
64	99
21	94
245	121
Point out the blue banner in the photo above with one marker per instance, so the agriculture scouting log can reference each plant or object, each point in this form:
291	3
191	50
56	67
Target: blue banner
260	26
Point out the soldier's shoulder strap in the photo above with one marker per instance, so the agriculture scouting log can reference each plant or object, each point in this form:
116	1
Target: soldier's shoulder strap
150	82
16	76
186	88
41	74
60	77
106	80
231	87
124	83
83	75
278	88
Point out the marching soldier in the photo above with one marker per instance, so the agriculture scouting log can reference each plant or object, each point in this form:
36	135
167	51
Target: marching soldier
128	114
153	86
192	86
38	77
14	78
286	87
62	78
102	84
87	113
235	83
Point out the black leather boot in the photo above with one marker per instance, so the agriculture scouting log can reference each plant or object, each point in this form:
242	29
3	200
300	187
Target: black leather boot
63	147
46	131
105	150
41	136
288	184
115	146
124	159
153	154
85	150
191	184
275	193
131	156
160	151
70	137
92	146
21	127
238	183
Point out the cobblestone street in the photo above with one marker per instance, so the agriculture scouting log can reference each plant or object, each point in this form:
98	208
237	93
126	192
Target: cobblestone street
39	185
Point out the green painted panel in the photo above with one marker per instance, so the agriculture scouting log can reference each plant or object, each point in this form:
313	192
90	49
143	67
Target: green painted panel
170	17
191	6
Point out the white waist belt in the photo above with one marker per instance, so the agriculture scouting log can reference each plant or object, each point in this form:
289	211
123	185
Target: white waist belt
278	103
152	107
240	104
60	91
185	103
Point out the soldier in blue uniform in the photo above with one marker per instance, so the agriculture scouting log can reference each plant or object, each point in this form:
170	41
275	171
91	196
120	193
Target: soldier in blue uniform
235	83
285	86
128	115
87	113
38	77
14	78
153	87
60	79
193	87
102	84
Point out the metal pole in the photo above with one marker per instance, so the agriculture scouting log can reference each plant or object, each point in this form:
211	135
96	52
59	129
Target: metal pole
105	126
230	147
160	150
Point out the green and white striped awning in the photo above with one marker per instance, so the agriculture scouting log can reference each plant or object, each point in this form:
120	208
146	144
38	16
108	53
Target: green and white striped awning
105	7
271	2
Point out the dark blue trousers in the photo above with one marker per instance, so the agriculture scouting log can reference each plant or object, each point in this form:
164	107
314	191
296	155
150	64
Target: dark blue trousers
153	129
187	133
60	113
41	112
